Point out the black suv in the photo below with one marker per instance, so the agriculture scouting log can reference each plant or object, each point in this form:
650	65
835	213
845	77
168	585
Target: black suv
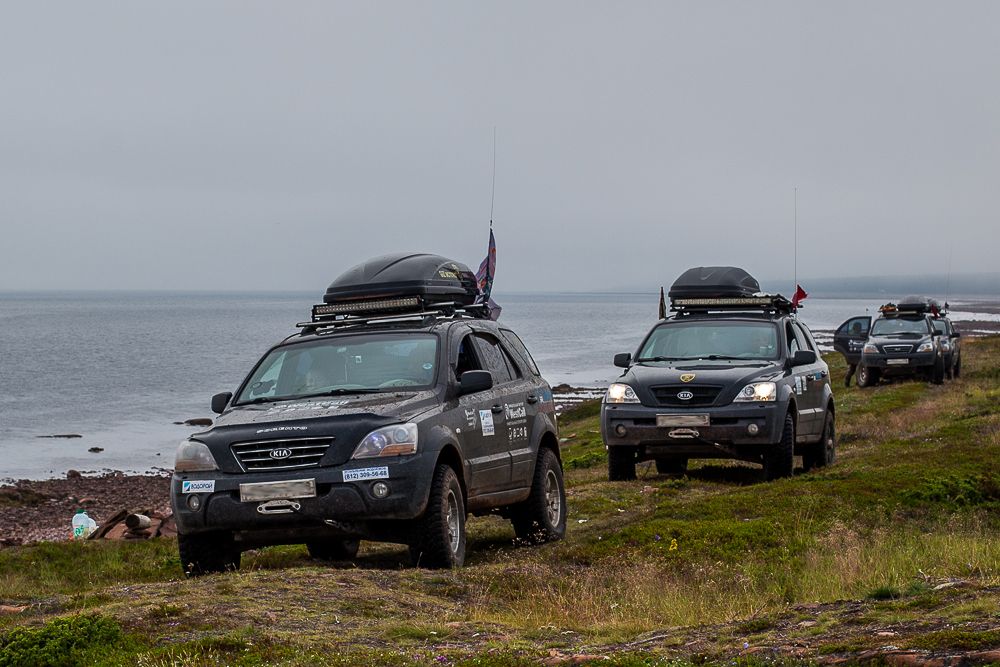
951	343
398	409
901	341
731	374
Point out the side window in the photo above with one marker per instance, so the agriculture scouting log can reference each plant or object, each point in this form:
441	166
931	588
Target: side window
467	359
493	358
793	343
806	338
511	338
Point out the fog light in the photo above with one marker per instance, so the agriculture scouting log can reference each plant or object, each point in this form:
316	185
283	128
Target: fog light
380	489
621	431
194	502
752	429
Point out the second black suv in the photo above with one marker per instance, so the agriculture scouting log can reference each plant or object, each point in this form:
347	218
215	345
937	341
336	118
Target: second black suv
732	374
398	409
951	344
901	341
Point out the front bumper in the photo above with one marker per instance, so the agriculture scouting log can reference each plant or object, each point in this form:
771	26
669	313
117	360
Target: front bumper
351	506
891	363
729	428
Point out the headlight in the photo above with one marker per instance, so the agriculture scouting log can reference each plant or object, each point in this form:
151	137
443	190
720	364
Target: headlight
926	347
620	393
870	348
388	441
194	456
758	391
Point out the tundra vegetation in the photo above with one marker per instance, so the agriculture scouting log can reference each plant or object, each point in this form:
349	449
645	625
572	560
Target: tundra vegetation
894	548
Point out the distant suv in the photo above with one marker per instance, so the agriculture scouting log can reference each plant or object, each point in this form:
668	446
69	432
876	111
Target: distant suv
901	341
731	374
398	409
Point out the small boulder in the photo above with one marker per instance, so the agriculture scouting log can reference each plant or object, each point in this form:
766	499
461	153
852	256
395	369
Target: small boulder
73	474
96	450
198	421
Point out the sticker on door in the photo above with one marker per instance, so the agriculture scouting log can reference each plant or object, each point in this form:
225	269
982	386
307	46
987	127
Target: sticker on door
486	419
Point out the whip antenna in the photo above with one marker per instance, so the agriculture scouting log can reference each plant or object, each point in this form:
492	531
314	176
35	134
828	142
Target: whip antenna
493	186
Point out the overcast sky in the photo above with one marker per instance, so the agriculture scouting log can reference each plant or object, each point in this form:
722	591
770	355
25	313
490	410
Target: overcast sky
247	145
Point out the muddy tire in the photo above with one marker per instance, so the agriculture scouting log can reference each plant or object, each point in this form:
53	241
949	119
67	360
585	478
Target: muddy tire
621	464
674	466
334	549
779	459
439	535
824	452
542	517
867	377
958	367
206	553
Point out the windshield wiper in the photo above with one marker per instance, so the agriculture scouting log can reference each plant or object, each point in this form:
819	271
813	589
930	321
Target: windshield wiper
660	359
341	392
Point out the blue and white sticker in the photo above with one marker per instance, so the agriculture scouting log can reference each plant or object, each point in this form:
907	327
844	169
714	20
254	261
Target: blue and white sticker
365	474
198	486
486	419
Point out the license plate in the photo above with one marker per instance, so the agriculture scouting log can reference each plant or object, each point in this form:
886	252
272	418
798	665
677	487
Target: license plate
296	488
682	420
897	362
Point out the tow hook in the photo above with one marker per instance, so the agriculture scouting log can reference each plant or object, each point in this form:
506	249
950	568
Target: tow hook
278	507
683	433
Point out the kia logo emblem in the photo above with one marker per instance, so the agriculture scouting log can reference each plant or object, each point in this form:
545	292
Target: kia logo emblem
280	453
683	395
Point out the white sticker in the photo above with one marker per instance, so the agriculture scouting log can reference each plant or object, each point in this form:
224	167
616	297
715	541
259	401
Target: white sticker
198	486
365	474
486	418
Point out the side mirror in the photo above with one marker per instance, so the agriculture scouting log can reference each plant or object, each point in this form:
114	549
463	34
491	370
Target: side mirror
623	359
804	358
956	335
220	401
473	381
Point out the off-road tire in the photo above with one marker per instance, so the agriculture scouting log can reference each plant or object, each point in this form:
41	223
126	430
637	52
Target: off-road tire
676	466
334	549
542	517
621	464
937	374
824	452
866	376
439	535
958	367
949	369
205	553
779	459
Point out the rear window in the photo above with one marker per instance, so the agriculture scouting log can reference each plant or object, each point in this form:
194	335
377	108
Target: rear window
520	350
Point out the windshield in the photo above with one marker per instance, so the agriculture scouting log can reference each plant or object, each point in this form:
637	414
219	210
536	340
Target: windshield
897	326
344	365
711	340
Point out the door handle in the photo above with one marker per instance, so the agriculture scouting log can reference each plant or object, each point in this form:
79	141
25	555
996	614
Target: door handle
532	398
496	409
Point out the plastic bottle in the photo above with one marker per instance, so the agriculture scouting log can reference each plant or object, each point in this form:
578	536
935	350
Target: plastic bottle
82	525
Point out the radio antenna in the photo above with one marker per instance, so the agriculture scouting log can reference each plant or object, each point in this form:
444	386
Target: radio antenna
795	249
493	186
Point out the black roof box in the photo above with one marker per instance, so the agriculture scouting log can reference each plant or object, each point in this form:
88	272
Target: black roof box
433	278
714	282
917	304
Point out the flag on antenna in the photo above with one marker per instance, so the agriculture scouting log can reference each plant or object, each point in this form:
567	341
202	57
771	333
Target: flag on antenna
484	276
800	294
663	306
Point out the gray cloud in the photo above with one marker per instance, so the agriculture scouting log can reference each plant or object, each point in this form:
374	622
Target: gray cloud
246	145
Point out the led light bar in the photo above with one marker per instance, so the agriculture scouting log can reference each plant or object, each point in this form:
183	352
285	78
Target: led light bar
726	301
352	307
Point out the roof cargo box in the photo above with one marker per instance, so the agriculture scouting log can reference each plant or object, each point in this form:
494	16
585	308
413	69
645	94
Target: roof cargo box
917	304
427	279
714	282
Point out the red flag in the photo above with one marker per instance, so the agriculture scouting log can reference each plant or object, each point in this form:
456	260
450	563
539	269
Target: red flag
800	294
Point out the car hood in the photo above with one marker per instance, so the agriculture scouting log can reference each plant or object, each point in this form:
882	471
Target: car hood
341	421
730	376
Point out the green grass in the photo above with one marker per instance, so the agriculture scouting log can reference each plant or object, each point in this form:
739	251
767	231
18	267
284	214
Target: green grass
689	568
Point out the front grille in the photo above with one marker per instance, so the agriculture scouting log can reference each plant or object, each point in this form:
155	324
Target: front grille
257	455
702	394
897	349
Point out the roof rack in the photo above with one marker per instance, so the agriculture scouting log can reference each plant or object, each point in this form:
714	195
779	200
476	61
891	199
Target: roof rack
410	309
767	303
